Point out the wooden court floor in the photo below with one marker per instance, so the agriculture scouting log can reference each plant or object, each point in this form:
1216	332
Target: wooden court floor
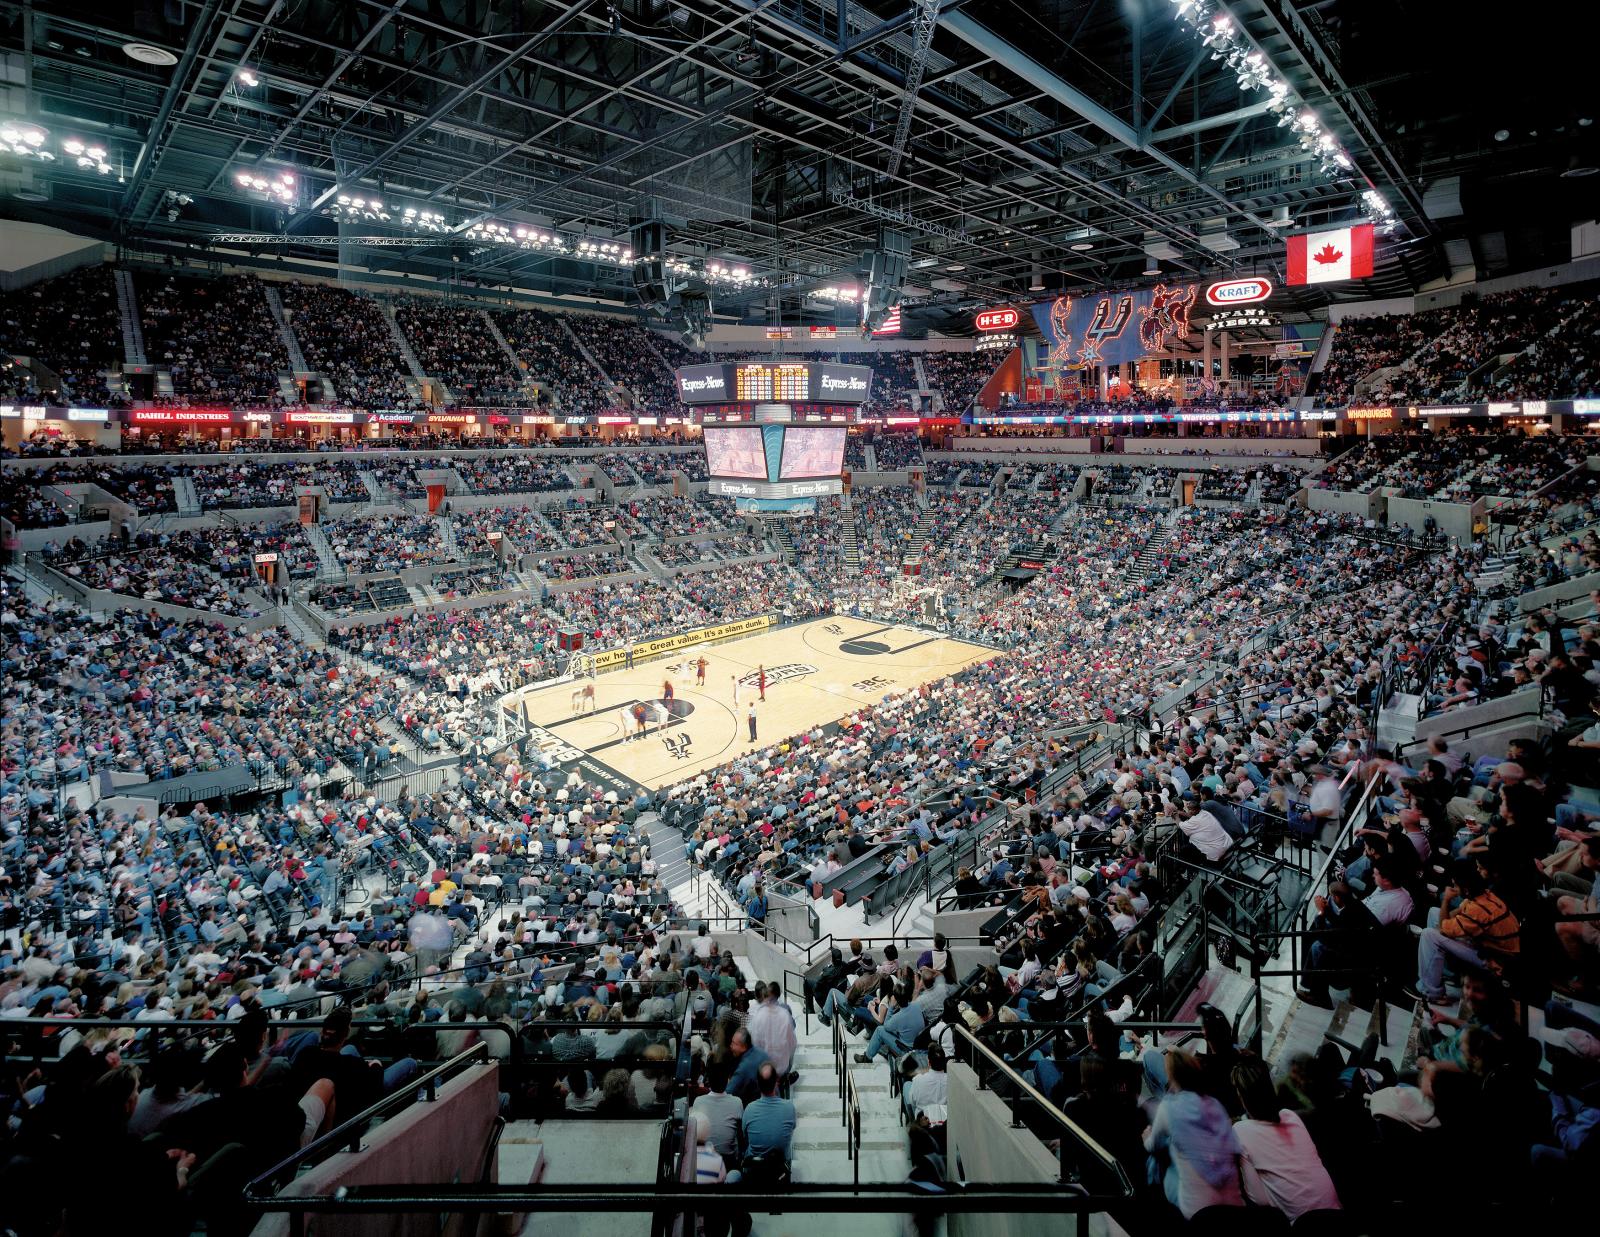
817	672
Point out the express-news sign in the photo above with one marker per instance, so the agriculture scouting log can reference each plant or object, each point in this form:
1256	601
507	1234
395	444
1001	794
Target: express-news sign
997	320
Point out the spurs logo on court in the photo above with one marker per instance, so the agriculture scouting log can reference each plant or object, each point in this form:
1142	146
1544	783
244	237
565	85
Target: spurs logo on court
551	747
677	745
833	629
779	674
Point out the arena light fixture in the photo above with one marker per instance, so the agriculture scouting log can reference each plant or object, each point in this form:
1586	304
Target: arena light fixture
267	185
26	139
1214	26
352	207
247	78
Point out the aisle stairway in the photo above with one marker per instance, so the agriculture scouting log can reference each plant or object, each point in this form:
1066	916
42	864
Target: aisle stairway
785	539
820	1145
402	343
918	540
1143	565
184	496
584	349
329	565
128	312
850	540
301	628
297	360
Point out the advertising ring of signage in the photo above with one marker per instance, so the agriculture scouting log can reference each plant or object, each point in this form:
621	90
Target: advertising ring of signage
1227	292
997	319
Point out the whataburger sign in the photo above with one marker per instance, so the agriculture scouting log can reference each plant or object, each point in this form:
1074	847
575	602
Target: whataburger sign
647	649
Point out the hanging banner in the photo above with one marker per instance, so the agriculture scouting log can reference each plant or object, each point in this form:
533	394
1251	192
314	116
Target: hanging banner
1111	328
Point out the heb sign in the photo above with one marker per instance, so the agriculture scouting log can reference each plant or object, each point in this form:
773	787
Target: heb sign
997	320
647	649
1238	291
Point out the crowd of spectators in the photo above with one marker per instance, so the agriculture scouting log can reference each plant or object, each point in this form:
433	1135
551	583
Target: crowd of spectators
1446	355
1557	365
145	487
552	357
454	344
385	542
216	337
681	517
524	527
246	483
72	325
896	451
959	376
1087	642
1455	466
344	336
1362	345
519	473
626	351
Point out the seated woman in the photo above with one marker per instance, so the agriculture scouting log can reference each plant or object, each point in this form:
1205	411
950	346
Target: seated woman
1192	1143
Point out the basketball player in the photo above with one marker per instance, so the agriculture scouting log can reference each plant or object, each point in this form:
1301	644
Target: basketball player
666	693
588	696
700	671
626	712
735	679
761	684
640	715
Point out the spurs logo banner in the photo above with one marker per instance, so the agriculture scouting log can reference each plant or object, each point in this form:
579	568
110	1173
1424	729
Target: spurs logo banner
1099	328
1331	256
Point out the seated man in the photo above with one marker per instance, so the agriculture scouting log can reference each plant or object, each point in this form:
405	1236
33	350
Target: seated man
748	1060
769	1120
1345	937
1470	921
1207	841
903	1021
929	1092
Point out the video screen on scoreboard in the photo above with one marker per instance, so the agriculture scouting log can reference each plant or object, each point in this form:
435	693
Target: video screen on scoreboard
812	452
735	451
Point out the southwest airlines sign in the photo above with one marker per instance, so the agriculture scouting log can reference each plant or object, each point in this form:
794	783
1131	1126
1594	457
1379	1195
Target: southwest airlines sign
1228	292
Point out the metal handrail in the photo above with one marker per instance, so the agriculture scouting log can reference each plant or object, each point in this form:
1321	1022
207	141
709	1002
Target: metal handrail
348	1133
1107	1162
1466	731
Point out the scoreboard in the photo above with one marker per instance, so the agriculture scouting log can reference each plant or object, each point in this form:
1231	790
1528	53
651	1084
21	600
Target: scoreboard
775	382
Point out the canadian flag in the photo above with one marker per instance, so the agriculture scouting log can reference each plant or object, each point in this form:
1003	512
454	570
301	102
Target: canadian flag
1327	257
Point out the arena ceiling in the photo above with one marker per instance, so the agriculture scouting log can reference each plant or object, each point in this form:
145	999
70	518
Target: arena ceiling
1064	143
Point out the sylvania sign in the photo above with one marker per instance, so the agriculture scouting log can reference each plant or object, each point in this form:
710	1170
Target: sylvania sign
1228	292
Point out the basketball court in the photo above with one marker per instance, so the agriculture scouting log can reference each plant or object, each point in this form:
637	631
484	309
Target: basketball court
817	672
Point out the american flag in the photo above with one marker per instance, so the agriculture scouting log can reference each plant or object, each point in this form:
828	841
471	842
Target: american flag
891	323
